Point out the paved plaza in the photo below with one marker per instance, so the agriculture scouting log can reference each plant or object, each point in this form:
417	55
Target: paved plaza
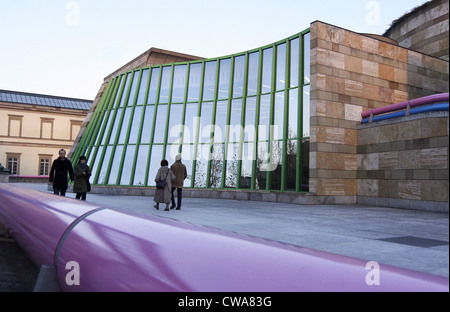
416	240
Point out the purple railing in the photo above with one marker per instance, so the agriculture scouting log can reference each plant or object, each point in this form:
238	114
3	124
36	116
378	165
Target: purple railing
436	98
117	251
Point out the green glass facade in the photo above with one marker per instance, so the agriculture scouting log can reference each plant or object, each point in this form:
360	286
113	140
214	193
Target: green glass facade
239	121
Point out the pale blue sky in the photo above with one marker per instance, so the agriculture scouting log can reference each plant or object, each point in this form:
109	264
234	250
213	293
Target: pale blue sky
66	48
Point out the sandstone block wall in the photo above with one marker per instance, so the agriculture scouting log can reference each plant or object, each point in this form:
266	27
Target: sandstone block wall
404	162
351	73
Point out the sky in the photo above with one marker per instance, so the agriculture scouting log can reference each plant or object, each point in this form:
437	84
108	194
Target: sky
66	48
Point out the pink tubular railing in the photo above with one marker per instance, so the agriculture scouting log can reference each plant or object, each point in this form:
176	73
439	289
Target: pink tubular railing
405	105
117	251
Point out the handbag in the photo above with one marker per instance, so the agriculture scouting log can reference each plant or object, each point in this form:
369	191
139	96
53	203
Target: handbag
161	184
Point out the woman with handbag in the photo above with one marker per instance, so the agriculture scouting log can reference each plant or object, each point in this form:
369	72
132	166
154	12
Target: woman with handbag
82	173
163	179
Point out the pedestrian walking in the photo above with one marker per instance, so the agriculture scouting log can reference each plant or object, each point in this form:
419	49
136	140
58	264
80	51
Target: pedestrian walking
58	174
82	174
163	179
179	170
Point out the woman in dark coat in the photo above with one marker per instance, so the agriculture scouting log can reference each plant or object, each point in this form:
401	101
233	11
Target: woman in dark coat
58	173
82	173
164	195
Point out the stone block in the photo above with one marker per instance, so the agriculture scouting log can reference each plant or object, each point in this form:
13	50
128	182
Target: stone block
367	187
388	160
410	190
367	161
435	190
434	158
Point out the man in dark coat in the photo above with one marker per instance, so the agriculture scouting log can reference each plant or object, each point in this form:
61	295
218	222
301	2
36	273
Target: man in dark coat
58	174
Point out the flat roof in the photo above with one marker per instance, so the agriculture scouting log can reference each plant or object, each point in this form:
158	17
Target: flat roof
44	100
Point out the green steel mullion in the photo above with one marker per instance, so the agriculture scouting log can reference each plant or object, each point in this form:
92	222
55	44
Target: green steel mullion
95	123
119	126
227	123
271	116
286	116
141	124
169	106
183	116
114	106
243	114
213	123
155	114
127	137
91	128
88	138
257	110
301	78
197	131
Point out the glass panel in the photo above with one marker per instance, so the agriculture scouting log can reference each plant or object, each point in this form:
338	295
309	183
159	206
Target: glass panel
253	68
250	114
148	124
224	79
306	113
278	122
190	122
305	165
235	121
128	165
262	161
187	158
119	83
210	81
295	57
143	87
267	70
179	83
125	123
205	123
175	123
217	155
105	163
264	118
291	163
94	162
275	165
201	165
160	127
239	73
221	120
281	67
133	88
135	123
165	85
141	166
125	90
293	114
153	92
195	75
112	138
155	163
306	58
115	165
172	150
106	129
232	165
247	165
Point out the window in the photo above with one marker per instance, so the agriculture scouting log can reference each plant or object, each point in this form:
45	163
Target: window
44	164
13	163
47	128
75	127
15	125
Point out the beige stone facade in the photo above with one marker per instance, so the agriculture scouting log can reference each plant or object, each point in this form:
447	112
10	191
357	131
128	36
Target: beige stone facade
425	29
404	162
32	135
352	73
